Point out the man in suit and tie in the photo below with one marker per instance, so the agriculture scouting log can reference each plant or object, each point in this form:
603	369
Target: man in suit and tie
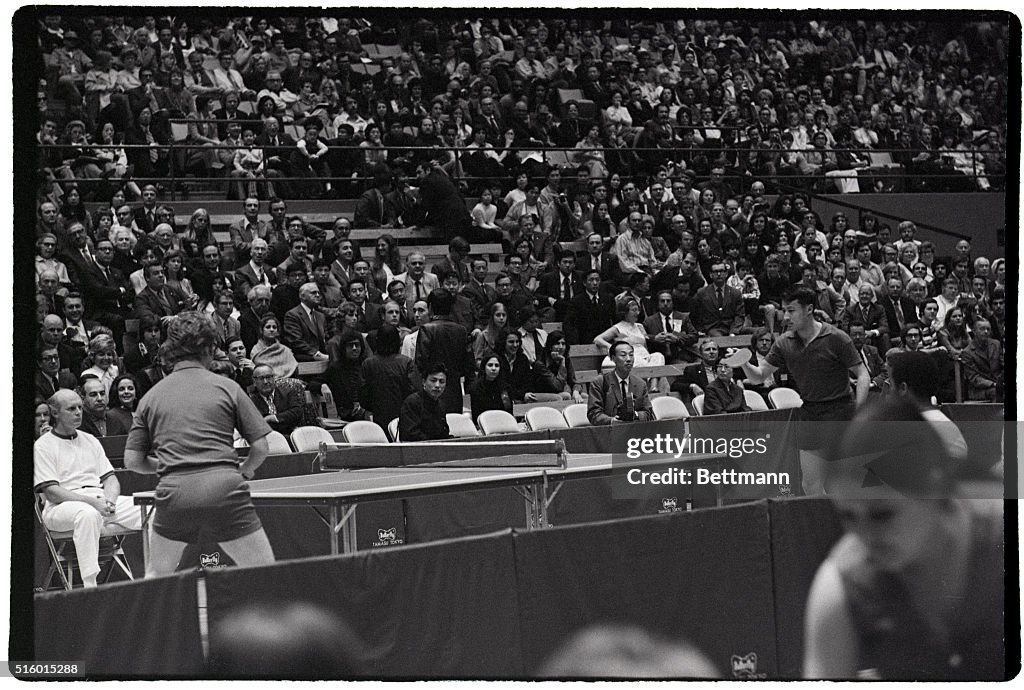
719	308
95	417
371	211
671	332
257	304
418	283
145	215
240	367
51	334
226	326
619	396
281	410
247	228
77	256
277	152
870	315
50	378
76	328
899	310
480	294
572	129
557	288
598	259
686	269
256	272
158	301
697	376
869	355
305	328
298	253
589	313
105	290
490	122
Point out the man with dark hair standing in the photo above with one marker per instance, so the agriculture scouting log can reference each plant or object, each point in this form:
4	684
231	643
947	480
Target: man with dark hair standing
443	340
821	359
442	204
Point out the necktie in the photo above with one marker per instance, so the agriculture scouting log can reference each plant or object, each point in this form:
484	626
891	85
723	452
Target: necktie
668	325
419	295
316	326
597	263
899	314
56	384
536	345
566	288
622	387
271	408
164	302
149	216
720	299
596	301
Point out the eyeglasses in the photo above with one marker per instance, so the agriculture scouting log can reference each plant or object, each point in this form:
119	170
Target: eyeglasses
268	377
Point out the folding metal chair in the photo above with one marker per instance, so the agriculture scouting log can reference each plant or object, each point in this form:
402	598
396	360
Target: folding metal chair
64	559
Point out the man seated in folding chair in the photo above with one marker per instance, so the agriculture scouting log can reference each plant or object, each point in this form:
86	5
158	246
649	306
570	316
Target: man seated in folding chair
78	482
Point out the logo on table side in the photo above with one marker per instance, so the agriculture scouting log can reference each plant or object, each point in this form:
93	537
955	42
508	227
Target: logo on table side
669	505
210	560
388	537
746	666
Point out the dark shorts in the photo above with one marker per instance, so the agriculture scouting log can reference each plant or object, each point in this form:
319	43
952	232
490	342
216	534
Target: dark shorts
204	503
819	424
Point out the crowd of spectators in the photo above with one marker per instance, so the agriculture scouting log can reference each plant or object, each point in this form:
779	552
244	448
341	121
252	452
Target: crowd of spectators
664	166
807	102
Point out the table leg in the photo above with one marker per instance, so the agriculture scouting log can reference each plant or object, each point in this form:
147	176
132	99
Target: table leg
543	499
333	524
145	539
348	530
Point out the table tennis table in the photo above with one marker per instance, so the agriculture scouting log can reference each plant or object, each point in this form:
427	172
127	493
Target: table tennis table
340	492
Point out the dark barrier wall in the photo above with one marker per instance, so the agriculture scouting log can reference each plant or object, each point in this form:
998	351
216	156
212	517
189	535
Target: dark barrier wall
459	514
802	533
141	628
448	609
704	576
779	436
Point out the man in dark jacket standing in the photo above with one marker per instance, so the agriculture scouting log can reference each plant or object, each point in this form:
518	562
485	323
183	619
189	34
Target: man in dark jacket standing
443	340
441	203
